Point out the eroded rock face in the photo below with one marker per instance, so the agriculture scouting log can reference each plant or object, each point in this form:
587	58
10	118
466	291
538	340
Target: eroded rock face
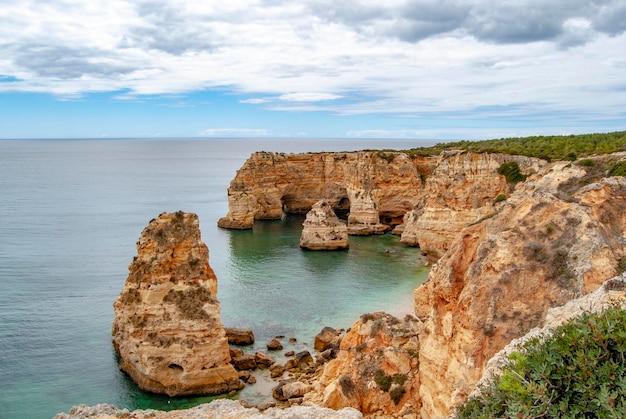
322	230
461	190
167	329
373	186
612	292
376	369
541	248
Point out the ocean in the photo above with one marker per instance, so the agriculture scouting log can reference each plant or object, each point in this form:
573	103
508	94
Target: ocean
71	212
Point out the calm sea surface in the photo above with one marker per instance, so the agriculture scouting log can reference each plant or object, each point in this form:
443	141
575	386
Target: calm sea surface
70	214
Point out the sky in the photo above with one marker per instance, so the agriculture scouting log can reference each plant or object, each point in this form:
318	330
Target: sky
402	69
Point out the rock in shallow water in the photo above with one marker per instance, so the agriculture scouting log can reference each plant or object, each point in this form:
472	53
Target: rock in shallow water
322	230
168	331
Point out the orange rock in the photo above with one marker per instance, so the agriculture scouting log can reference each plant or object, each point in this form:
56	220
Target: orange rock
500	277
167	329
376	188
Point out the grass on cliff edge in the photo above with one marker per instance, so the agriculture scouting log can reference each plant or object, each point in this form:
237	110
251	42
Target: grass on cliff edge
555	147
578	371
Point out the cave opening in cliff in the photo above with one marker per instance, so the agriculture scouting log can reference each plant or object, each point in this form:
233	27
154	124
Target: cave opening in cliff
293	204
343	207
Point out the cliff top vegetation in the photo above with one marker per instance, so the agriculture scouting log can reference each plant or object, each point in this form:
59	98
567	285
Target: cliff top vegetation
555	147
579	371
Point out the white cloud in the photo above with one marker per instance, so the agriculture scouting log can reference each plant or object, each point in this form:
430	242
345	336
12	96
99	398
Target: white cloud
256	101
409	56
308	97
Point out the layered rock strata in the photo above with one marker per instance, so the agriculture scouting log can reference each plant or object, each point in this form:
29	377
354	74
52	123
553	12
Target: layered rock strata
546	244
167	329
323	230
461	190
434	197
373	186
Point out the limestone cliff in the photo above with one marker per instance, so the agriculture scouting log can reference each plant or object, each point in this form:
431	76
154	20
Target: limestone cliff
376	188
548	243
461	190
322	230
435	197
375	370
167	329
612	292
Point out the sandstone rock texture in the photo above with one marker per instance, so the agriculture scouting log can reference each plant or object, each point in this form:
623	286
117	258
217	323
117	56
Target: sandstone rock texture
558	236
376	369
218	409
612	292
239	336
167	329
376	188
460	191
433	197
323	230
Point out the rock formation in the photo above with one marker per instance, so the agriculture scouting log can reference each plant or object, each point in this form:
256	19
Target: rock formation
375	370
461	190
218	409
551	241
508	254
612	292
322	230
373	186
435	197
239	337
167	330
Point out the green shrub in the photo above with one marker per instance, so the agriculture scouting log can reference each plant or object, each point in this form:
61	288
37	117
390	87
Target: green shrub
399	378
578	371
586	162
501	197
388	157
511	171
549	147
383	380
396	394
618	169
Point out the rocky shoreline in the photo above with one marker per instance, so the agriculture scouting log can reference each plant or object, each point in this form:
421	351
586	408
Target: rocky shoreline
507	253
218	409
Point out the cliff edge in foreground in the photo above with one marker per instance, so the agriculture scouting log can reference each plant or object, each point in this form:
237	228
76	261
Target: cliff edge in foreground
168	331
559	236
218	409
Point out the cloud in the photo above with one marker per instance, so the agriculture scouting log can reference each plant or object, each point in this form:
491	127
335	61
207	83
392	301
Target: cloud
234	132
256	101
345	58
308	97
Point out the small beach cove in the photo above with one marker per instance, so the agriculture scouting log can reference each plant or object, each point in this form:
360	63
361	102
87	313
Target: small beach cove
72	213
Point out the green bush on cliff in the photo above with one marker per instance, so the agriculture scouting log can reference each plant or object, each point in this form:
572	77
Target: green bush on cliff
578	371
618	169
551	147
511	171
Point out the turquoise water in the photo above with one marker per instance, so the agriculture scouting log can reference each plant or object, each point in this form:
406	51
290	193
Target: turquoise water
70	214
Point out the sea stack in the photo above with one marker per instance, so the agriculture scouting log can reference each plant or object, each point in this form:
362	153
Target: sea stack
323	230
167	331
